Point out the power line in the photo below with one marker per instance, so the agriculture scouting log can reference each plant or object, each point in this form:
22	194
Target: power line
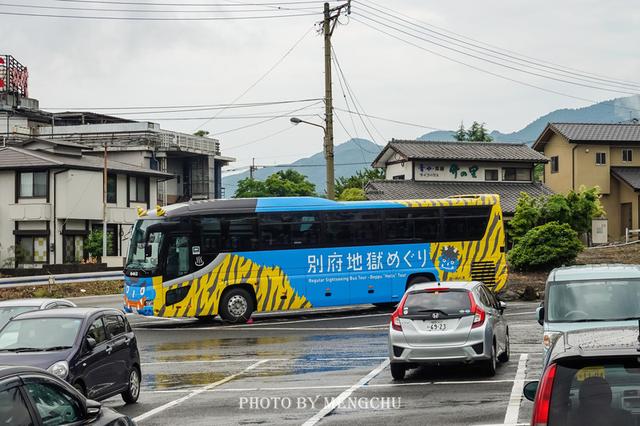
132	18
150	11
390	120
202	106
557	70
234	4
297	166
514	80
231	148
263	76
489	60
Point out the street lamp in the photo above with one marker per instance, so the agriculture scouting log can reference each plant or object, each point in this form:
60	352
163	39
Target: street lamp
328	156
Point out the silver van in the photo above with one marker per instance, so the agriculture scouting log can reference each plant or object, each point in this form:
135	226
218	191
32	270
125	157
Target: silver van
588	296
442	322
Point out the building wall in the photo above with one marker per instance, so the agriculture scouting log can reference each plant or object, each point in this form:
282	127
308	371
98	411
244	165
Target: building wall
562	180
7	189
464	171
587	172
80	195
616	156
398	169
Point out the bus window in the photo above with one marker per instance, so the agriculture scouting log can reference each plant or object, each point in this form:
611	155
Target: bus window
427	225
211	234
275	232
399	226
242	233
305	231
353	228
467	223
177	260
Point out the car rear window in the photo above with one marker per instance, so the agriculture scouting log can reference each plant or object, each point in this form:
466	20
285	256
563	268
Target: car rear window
596	393
449	302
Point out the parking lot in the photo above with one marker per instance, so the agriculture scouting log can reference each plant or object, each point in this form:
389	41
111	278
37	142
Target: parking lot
324	366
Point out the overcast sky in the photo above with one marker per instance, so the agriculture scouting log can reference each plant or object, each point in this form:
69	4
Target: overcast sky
89	63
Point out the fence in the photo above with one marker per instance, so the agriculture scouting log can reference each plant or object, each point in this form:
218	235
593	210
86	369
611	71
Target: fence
39	280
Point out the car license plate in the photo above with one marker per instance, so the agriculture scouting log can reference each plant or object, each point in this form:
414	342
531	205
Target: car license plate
435	325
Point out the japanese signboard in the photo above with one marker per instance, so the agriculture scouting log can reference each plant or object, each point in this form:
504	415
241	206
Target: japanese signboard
13	76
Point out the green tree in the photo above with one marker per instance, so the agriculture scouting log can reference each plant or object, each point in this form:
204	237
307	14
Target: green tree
545	247
358	181
576	208
352	194
476	133
201	133
284	183
461	134
93	243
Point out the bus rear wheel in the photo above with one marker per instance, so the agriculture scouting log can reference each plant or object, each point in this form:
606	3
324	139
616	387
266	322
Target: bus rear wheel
236	305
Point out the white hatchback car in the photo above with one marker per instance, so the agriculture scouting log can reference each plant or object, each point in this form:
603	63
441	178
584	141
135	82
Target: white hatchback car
11	308
442	322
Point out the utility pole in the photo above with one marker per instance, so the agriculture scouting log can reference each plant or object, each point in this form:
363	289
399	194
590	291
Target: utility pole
328	25
252	168
104	202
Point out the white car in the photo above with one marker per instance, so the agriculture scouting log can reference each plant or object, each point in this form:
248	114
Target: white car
11	308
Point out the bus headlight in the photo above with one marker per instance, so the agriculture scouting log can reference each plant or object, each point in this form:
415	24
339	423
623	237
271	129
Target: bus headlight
60	369
549	338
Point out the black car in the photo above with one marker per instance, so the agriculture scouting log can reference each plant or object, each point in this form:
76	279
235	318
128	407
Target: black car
93	349
31	396
592	377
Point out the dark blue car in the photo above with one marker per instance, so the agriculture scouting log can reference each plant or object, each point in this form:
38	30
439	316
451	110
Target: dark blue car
93	349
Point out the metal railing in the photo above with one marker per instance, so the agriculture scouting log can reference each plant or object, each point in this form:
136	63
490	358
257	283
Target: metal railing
39	280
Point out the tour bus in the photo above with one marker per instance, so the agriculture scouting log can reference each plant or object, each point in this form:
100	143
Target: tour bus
235	257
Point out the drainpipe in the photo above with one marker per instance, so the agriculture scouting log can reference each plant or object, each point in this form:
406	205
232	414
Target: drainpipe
573	167
55	221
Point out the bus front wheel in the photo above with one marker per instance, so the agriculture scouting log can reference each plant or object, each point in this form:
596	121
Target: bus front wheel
236	305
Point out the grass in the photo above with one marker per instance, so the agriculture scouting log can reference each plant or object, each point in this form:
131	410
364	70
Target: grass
92	288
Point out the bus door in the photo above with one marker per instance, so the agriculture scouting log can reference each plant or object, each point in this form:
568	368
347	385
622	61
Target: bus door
177	256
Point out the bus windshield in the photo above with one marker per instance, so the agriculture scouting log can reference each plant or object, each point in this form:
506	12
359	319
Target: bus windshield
137	258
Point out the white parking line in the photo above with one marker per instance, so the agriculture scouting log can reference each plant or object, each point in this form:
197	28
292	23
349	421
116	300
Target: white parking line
344	395
269	328
513	409
196	392
212	361
519	313
320	387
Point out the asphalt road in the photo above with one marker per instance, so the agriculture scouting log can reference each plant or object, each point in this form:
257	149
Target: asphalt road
327	367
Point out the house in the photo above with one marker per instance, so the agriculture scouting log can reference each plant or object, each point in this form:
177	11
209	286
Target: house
428	169
52	198
596	154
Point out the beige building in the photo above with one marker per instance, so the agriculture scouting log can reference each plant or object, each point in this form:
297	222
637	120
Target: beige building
52	199
602	155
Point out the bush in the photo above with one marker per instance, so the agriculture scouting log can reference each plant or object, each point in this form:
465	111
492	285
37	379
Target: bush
352	194
545	247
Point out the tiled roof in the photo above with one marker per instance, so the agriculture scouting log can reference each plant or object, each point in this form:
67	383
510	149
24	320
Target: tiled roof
591	133
472	151
14	158
408	189
630	175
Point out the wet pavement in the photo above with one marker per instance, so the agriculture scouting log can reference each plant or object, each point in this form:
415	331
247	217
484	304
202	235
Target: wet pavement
325	367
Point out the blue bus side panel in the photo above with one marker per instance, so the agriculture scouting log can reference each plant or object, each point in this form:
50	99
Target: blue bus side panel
349	275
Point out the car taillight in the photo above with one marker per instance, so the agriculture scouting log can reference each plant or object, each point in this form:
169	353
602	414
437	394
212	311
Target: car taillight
540	416
395	316
478	313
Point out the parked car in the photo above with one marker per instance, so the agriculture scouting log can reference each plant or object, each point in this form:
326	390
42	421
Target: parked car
31	396
581	297
93	349
592	378
11	308
441	322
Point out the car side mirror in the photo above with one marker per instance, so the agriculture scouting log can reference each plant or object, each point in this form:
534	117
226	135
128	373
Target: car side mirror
93	408
540	314
530	390
91	343
503	306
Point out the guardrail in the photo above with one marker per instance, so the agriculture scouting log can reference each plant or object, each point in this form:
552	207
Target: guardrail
39	280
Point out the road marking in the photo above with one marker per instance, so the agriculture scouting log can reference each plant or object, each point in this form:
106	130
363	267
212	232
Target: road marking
265	328
519	313
320	387
513	409
344	395
355	316
213	361
196	392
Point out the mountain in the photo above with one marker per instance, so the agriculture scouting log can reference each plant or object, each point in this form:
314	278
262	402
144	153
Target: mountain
357	154
612	111
350	156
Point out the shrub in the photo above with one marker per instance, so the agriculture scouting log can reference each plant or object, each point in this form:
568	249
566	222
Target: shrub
545	247
352	194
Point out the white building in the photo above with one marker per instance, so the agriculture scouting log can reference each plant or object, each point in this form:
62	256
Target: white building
428	169
52	198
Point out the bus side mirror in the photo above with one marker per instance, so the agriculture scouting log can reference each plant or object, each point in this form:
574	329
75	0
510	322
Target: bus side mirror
540	314
147	250
530	390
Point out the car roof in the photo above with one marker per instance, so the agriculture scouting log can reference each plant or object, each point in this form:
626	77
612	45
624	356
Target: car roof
66	313
594	272
465	285
597	342
12	370
36	301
